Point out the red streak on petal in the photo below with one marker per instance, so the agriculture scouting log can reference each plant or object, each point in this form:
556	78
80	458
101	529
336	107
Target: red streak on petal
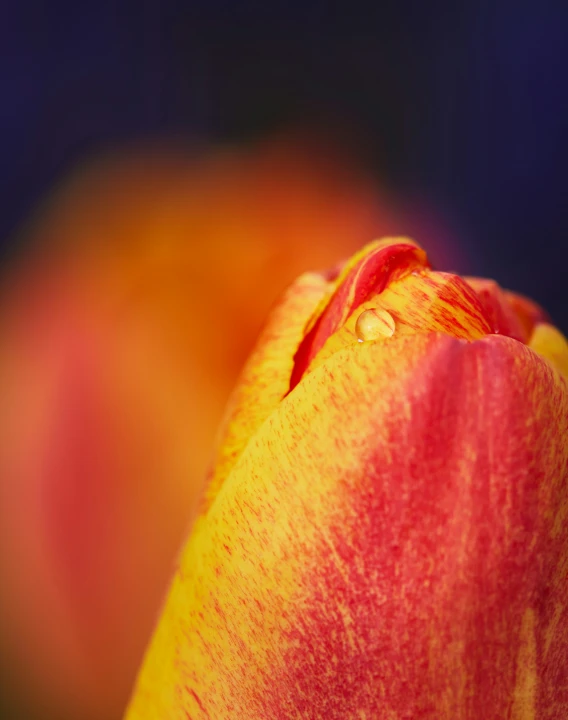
369	276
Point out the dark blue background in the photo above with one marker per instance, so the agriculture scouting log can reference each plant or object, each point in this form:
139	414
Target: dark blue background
464	104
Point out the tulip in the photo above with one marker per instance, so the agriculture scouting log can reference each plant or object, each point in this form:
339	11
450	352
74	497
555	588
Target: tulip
384	530
122	331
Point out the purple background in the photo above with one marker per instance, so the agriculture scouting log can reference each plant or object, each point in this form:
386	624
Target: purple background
463	104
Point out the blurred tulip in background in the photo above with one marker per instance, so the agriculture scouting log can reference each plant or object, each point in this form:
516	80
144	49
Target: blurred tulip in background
139	290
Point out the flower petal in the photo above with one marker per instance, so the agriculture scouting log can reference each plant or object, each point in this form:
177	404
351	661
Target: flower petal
392	543
528	312
266	375
551	344
365	274
499	311
417	303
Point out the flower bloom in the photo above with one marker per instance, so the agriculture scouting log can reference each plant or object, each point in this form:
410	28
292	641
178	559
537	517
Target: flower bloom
384	534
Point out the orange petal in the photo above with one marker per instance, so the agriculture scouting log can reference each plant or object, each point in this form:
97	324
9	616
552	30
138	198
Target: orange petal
390	544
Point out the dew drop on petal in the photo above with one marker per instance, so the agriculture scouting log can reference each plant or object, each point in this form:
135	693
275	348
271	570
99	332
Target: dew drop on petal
373	324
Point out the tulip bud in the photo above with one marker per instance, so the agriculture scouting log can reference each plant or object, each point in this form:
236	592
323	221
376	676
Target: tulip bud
384	531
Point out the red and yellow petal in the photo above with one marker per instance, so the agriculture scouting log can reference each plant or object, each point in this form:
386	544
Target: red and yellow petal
435	302
418	302
265	378
392	543
363	276
499	311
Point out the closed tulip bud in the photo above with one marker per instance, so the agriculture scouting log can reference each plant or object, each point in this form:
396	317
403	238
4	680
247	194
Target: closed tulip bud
384	533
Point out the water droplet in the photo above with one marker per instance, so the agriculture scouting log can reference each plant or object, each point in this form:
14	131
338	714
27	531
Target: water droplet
373	324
